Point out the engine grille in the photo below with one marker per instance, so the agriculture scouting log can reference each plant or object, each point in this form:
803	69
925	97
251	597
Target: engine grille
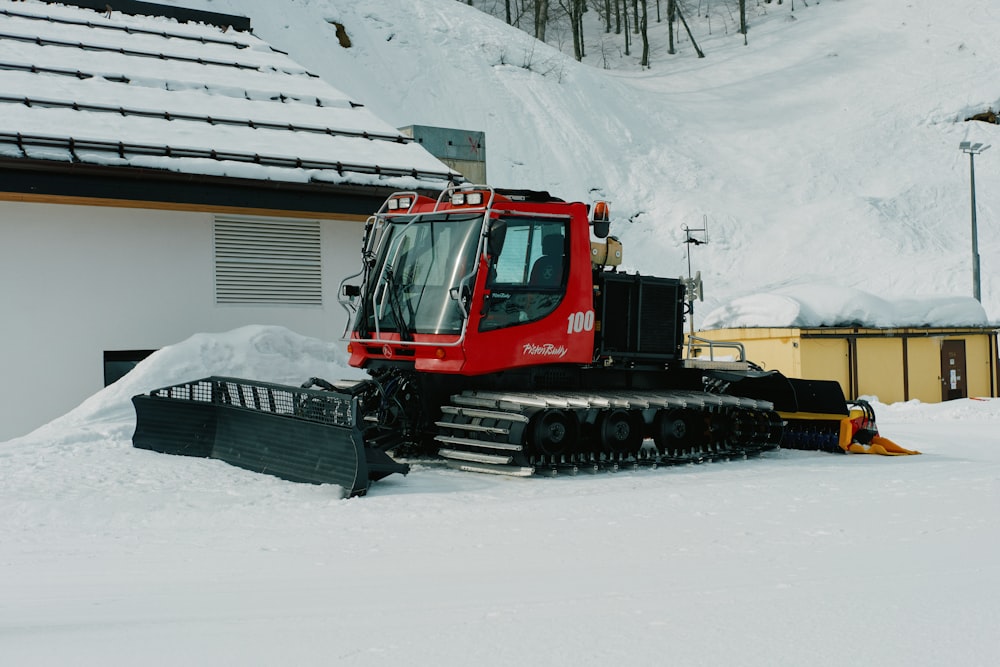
642	317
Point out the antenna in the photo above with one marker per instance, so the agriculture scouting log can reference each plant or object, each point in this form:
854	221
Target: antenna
692	285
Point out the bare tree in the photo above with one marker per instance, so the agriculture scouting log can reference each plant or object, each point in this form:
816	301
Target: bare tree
541	18
671	17
604	11
628	40
697	49
743	20
520	9
645	37
574	10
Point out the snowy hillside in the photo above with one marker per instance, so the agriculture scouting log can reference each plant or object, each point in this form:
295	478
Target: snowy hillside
824	151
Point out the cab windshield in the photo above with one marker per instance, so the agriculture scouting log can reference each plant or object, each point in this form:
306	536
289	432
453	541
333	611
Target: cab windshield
425	268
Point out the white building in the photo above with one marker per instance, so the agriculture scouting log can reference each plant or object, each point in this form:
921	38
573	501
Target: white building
161	178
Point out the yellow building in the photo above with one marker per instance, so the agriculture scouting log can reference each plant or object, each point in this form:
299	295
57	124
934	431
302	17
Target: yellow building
930	364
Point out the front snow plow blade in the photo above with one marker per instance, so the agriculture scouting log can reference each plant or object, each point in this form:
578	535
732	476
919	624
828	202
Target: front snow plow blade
297	434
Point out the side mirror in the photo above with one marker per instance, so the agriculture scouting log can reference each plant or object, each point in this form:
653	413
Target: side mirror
462	294
497	235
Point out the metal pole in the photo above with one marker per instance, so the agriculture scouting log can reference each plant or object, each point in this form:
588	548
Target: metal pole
975	233
974	149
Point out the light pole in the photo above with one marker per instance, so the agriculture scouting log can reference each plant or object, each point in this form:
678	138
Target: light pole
973	150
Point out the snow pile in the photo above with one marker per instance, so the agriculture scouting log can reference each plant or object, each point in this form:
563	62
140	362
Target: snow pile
812	305
265	353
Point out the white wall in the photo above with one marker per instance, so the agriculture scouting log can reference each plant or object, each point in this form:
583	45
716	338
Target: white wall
77	280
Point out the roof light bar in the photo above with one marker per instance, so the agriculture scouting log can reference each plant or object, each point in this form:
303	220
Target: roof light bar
467	198
399	203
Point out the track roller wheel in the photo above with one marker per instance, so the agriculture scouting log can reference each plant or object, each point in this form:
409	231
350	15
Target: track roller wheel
676	431
552	432
744	427
722	427
620	432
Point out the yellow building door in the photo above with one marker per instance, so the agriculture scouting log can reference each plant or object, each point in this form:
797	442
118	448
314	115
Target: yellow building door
953	380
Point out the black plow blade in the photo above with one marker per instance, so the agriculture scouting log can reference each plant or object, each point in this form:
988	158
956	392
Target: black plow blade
301	435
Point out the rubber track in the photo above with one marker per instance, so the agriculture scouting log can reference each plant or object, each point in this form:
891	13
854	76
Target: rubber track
491	431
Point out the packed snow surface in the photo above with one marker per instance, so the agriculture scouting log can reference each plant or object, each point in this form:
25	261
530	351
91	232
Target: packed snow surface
118	556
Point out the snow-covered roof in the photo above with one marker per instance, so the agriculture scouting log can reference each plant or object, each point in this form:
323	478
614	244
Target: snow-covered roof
814	305
146	91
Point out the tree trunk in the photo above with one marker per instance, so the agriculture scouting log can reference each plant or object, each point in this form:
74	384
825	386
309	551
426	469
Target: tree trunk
541	18
690	36
645	36
671	17
743	20
628	40
576	24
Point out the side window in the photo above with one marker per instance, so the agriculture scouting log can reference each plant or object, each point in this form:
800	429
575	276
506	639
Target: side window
528	279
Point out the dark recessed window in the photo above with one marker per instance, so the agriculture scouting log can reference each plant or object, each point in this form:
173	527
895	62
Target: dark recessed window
119	362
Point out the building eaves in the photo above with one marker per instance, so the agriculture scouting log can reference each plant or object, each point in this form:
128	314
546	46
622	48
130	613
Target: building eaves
44	181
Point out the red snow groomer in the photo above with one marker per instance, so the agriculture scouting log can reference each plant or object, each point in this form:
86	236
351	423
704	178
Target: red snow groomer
500	336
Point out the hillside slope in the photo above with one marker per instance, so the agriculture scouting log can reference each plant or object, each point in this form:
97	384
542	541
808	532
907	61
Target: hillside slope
825	151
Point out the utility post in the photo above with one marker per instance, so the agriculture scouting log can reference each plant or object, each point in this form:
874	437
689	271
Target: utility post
974	149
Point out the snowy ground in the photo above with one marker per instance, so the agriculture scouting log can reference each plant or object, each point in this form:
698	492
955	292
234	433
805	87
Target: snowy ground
117	556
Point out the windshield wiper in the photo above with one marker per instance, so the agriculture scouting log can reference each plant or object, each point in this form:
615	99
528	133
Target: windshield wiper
394	305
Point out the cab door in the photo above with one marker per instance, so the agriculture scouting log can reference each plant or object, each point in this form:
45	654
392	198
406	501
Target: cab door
537	304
